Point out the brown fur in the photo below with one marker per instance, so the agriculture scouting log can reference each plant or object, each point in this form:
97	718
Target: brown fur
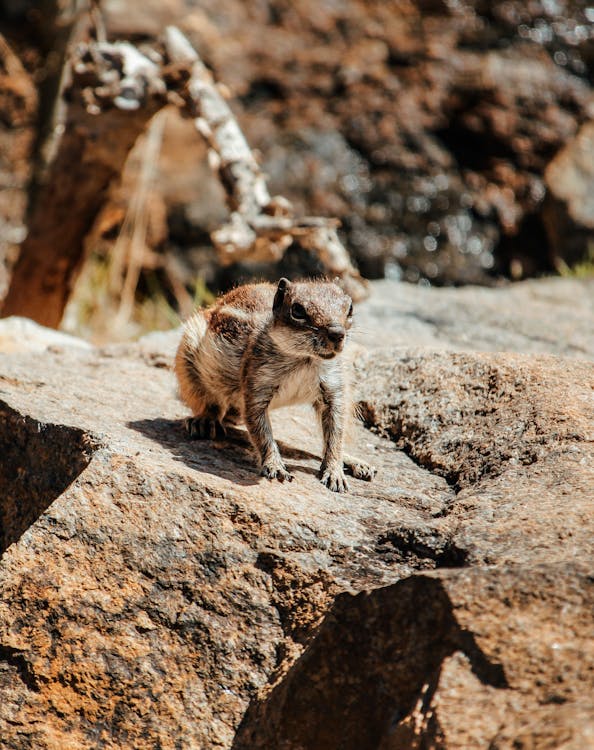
261	347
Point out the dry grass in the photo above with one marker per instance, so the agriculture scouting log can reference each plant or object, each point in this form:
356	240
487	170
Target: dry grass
126	288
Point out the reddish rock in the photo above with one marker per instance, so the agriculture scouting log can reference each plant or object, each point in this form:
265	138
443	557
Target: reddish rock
18	115
156	592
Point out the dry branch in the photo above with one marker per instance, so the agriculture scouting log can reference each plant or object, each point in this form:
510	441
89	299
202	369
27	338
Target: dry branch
114	91
260	228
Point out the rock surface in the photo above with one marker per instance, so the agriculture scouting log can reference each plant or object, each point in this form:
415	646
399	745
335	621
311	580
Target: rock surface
18	112
156	592
24	335
543	316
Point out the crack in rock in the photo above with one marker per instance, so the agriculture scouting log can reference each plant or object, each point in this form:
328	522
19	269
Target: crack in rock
424	547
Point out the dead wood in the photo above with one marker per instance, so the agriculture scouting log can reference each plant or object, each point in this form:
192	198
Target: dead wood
113	92
260	227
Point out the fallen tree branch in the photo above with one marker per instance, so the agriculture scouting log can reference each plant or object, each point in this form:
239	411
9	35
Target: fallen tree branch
114	90
260	227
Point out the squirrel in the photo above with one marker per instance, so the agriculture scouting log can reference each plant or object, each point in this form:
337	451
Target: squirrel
260	347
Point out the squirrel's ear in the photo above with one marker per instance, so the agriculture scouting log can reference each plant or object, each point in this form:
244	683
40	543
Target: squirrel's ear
280	294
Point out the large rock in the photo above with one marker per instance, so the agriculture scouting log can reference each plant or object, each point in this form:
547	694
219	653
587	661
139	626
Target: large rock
551	315
425	126
157	593
483	651
459	659
19	334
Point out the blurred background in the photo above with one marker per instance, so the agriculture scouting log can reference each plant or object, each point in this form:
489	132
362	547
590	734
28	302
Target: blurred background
453	139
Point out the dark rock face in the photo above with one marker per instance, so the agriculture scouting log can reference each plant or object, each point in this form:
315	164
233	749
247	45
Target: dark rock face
396	668
156	592
426	127
39	461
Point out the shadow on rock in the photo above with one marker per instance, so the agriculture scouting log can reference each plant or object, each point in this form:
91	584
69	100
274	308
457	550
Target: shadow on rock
39	461
368	678
230	458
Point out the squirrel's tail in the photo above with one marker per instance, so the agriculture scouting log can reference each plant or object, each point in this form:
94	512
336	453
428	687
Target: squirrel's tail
186	368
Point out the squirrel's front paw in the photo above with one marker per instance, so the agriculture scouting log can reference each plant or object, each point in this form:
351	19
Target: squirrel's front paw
334	479
276	470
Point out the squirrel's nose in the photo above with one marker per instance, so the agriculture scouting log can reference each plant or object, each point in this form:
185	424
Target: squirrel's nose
336	334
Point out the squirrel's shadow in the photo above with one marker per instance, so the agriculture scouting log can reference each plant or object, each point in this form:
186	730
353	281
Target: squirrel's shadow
229	457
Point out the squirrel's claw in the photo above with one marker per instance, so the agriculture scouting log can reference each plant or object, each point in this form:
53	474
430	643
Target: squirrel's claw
278	471
334	480
359	469
204	428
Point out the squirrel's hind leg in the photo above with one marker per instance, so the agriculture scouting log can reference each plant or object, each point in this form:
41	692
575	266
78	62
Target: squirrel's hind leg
207	425
358	469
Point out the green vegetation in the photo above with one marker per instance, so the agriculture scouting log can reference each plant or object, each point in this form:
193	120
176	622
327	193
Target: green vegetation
582	270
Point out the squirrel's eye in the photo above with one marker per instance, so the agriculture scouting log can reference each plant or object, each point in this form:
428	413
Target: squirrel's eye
350	312
298	311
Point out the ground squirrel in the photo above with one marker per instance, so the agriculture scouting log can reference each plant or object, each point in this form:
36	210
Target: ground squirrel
260	347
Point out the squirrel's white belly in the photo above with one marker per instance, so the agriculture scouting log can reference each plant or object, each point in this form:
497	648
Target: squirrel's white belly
301	386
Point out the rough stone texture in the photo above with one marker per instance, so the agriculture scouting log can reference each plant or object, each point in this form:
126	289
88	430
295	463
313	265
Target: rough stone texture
482	654
156	593
459	659
543	316
24	335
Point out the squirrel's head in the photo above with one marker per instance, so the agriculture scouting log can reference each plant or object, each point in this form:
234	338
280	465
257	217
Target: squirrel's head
311	318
